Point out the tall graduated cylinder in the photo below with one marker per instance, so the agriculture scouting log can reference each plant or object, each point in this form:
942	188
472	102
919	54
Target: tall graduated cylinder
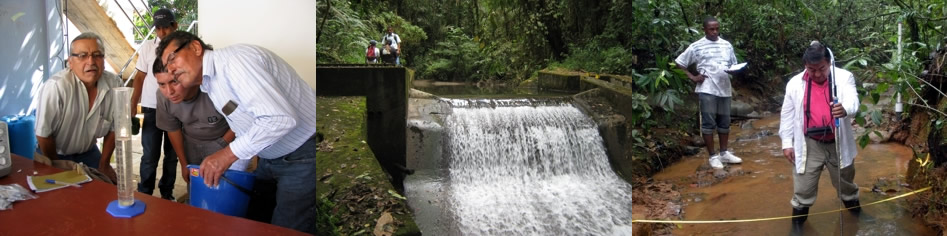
121	118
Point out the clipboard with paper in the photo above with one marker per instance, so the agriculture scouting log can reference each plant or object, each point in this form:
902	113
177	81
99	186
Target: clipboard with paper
736	68
41	183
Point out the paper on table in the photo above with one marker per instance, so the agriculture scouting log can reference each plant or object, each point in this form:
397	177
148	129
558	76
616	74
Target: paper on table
737	67
38	183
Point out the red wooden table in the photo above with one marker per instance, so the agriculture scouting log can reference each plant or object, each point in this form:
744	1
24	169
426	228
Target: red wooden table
81	211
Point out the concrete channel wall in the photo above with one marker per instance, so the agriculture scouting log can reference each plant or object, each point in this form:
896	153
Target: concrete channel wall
385	89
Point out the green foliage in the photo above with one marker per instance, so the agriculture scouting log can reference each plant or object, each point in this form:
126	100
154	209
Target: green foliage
411	35
185	12
597	56
347	31
455	58
892	72
641	111
344	35
325	220
513	39
663	84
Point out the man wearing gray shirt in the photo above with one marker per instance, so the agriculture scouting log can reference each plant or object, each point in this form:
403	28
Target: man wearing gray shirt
194	126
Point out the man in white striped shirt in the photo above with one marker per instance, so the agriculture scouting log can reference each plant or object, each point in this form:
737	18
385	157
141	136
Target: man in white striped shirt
713	56
270	108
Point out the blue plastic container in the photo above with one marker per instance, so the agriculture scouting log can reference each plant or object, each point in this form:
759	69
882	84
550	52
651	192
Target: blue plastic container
22	134
225	199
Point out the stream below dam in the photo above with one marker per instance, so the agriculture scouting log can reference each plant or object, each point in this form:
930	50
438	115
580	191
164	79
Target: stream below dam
761	187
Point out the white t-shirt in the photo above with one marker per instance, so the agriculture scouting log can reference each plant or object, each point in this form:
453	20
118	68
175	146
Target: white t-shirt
394	38
712	58
146	61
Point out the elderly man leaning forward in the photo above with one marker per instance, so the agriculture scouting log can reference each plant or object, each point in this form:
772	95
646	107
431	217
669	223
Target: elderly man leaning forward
74	108
195	128
269	107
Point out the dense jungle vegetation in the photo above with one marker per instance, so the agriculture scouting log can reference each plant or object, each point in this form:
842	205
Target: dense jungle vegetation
482	39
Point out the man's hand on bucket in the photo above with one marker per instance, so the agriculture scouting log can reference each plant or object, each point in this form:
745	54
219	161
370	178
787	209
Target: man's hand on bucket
215	165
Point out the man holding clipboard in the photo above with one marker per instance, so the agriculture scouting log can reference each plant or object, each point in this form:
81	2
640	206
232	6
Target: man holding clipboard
714	57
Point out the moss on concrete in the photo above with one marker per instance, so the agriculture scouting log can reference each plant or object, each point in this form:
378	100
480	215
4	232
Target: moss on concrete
349	175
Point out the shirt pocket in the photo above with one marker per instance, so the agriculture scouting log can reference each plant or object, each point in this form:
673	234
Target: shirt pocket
240	120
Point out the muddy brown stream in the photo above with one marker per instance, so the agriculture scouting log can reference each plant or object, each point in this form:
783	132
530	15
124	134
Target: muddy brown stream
761	187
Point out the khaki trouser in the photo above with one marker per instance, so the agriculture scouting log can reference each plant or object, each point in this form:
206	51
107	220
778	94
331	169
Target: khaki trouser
806	185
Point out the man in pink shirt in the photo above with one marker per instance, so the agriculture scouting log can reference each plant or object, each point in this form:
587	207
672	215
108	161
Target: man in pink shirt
810	139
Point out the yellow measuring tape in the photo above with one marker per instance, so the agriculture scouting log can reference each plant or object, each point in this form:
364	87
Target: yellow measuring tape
771	218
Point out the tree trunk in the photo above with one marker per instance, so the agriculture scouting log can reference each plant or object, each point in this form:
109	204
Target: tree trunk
324	18
553	32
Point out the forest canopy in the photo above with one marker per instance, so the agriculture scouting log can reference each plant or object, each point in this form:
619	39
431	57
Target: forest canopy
482	39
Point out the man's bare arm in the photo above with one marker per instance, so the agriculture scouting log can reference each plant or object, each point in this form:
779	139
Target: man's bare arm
48	146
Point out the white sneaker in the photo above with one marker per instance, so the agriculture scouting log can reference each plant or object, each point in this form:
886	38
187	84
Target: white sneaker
715	162
728	157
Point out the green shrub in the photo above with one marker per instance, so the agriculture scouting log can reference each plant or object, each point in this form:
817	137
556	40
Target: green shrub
325	221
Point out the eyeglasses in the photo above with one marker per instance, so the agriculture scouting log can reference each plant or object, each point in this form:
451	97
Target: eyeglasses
174	54
85	55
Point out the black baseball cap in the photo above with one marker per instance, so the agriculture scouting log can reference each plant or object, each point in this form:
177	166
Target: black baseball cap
163	18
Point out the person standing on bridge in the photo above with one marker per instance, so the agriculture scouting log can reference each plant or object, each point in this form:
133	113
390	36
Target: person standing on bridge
713	56
372	53
269	107
395	42
807	129
195	128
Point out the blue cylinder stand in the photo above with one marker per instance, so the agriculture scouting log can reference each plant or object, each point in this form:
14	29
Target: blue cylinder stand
119	211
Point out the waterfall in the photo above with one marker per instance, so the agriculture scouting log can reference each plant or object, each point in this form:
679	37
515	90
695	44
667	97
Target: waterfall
531	167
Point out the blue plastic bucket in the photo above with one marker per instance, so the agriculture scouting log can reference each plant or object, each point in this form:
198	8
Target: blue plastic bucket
225	199
22	134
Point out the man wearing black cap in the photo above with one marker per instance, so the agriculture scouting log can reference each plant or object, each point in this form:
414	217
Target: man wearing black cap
146	88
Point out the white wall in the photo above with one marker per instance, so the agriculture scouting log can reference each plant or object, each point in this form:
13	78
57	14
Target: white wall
286	27
31	50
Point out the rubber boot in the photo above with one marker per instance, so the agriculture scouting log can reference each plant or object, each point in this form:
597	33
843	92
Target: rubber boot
797	222
853	203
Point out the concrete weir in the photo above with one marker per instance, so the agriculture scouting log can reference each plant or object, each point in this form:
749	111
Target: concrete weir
517	166
566	160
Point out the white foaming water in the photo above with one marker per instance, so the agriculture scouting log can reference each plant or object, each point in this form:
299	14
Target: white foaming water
539	169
